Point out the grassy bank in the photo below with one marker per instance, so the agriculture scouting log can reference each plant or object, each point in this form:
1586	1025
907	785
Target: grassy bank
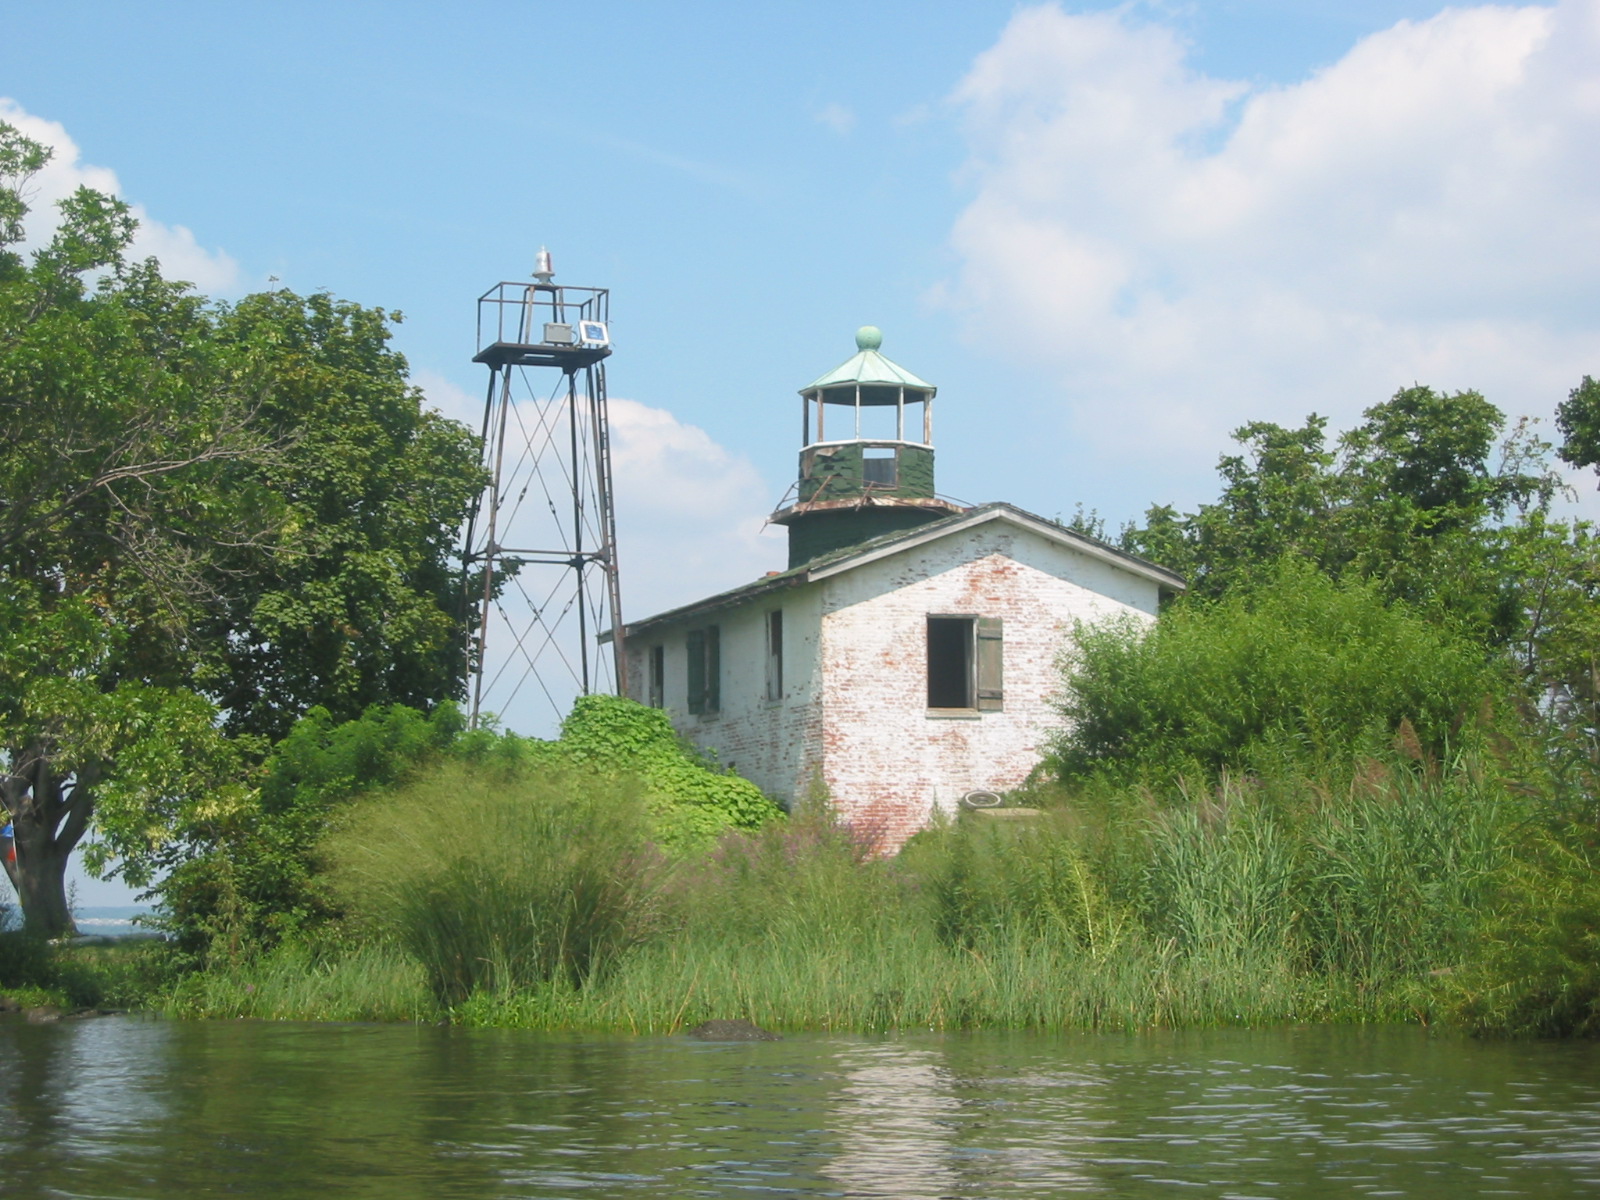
1254	902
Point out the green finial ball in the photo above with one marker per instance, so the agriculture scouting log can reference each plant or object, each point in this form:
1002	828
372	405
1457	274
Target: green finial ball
869	337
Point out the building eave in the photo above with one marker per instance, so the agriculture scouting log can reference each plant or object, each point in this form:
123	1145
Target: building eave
859	555
1010	514
722	600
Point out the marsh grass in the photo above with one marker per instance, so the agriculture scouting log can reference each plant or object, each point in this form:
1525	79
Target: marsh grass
1538	971
375	982
1254	901
498	881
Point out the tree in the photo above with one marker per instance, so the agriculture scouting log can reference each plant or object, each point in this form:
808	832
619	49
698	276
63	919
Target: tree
211	519
355	602
1578	418
1412	498
119	438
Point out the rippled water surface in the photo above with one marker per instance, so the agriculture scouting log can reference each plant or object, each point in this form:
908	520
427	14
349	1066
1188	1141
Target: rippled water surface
132	1108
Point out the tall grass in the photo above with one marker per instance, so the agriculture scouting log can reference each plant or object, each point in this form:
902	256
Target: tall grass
531	895
1538	972
1253	901
371	982
500	880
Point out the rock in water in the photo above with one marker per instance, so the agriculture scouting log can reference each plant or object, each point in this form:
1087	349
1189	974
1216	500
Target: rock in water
732	1031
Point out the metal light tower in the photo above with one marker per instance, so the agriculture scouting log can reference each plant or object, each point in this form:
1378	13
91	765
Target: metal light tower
540	554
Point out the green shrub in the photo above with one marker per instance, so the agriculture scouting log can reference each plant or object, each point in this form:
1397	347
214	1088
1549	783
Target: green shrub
24	960
1301	672
1537	970
500	880
253	881
692	800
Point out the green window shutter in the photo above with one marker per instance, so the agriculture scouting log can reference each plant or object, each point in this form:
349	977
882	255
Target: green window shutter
713	669
696	645
991	665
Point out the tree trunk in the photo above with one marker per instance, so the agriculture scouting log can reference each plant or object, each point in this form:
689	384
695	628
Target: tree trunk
40	877
48	817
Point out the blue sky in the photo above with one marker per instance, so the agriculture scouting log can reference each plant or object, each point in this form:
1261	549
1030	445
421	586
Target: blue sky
1109	234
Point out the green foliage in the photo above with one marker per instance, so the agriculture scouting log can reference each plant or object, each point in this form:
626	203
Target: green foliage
248	878
691	800
1218	880
297	982
498	881
1538	970
354	601
24	960
1052	879
1578	418
1300	668
1412	499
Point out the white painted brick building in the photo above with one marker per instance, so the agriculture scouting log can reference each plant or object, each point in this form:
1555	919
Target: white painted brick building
900	674
911	652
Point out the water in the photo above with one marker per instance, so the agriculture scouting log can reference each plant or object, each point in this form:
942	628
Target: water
131	1108
111	920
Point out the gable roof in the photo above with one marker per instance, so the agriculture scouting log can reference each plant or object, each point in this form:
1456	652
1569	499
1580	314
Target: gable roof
850	557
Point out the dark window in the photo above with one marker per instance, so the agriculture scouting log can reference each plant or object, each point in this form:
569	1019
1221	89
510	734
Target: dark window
705	669
878	467
658	676
966	667
775	655
950	662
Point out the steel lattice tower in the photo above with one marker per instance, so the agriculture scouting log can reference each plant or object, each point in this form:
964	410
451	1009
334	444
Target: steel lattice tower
539	557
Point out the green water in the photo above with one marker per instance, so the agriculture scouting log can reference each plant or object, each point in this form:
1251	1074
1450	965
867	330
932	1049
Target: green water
129	1108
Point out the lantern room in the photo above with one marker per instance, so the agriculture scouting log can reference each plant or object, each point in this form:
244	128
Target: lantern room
866	458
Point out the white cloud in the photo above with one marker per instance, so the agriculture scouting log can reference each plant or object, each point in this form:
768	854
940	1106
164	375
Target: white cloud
1183	253
450	399
690	512
837	118
180	254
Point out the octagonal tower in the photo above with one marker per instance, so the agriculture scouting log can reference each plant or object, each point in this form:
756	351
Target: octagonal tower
869	469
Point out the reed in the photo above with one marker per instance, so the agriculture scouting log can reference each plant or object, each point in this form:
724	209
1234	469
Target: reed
500	880
1254	901
374	982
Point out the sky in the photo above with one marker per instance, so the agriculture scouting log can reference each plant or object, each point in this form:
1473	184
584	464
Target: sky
1110	234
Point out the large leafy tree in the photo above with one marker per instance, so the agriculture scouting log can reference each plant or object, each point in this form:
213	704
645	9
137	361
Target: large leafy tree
211	519
124	455
1436	503
1412	497
355	601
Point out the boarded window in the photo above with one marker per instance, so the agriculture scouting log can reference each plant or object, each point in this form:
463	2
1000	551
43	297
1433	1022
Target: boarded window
658	676
878	468
775	656
705	669
966	667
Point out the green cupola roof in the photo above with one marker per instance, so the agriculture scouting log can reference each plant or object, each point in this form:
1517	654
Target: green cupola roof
867	368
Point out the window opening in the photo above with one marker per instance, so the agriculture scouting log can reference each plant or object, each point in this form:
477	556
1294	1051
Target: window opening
950	662
879	466
966	663
705	669
775	655
658	676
